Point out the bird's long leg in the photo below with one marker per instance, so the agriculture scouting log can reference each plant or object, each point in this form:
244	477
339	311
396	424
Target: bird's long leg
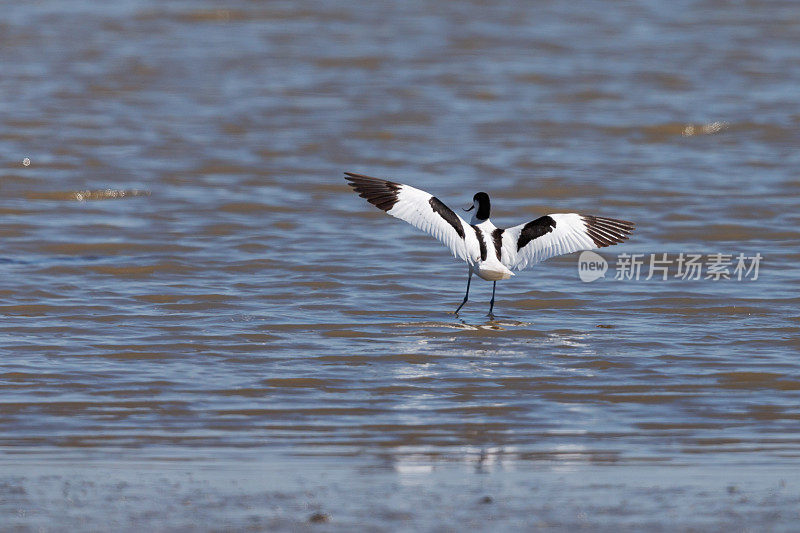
491	303
466	296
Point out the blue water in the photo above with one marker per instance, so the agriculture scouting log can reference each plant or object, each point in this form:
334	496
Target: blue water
186	279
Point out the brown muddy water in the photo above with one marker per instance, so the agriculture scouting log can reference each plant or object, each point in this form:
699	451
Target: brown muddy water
203	328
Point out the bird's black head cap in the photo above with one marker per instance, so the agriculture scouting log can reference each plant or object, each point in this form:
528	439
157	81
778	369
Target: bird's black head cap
481	200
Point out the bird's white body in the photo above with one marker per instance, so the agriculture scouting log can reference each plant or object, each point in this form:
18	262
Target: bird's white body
492	269
490	252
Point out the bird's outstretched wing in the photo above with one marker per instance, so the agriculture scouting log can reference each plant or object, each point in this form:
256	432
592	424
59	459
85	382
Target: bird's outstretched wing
416	207
559	234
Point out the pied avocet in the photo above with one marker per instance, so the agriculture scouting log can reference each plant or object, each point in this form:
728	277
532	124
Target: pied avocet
489	251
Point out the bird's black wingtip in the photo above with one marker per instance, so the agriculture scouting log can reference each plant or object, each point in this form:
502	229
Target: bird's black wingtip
380	193
607	231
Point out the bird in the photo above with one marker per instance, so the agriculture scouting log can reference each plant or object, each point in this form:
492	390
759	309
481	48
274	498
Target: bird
490	252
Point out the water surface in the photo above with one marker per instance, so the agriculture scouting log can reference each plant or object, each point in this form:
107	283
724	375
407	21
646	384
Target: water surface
186	279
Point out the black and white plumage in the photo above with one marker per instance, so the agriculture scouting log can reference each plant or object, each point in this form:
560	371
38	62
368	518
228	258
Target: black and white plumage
490	252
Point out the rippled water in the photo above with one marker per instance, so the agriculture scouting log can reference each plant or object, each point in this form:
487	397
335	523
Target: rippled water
189	288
